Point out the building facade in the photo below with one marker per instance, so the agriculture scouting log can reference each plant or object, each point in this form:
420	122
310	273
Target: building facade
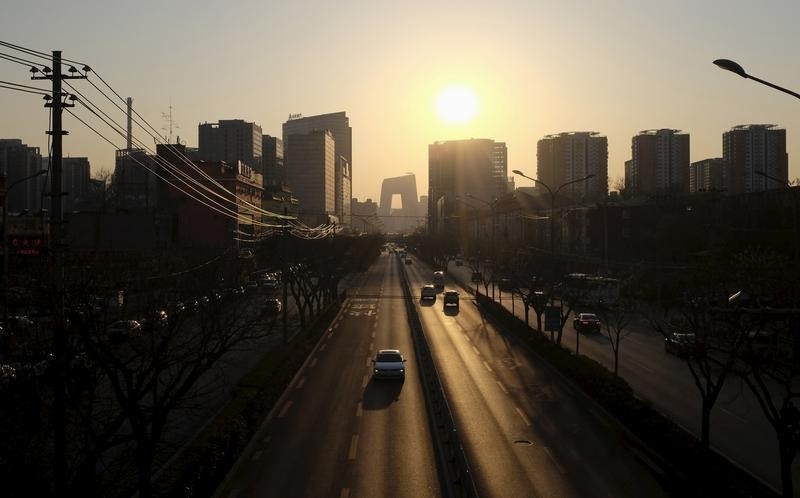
75	178
274	168
708	175
231	140
18	161
135	183
756	159
660	162
571	156
311	174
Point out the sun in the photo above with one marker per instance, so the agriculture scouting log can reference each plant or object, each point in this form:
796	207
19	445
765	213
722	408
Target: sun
457	105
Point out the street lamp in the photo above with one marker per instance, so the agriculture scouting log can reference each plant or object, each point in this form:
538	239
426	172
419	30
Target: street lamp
735	68
552	201
5	238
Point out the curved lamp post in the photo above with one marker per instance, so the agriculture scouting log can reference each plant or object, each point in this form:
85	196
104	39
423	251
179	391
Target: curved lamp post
552	201
5	238
735	68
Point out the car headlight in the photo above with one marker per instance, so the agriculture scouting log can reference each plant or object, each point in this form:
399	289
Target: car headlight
402	370
376	371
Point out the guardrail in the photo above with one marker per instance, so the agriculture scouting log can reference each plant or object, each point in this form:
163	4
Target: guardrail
453	465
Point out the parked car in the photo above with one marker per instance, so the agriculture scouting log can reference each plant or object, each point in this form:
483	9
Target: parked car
429	291
273	305
122	330
586	322
682	344
451	299
389	364
269	283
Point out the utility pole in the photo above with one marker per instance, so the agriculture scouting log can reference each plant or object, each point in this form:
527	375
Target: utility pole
284	274
57	103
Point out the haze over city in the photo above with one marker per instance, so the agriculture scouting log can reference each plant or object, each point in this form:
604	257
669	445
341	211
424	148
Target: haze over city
536	68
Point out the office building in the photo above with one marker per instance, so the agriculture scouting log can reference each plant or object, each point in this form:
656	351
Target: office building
660	162
312	174
457	168
339	125
231	140
18	161
75	177
135	182
274	169
570	156
708	175
755	156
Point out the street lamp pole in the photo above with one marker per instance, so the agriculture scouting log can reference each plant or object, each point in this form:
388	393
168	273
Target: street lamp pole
553	195
735	68
5	238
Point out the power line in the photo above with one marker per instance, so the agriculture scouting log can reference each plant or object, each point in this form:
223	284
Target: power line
24	86
20	60
22	90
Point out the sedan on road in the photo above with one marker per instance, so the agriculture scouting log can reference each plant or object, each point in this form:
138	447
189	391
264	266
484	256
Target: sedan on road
273	306
586	322
389	364
429	292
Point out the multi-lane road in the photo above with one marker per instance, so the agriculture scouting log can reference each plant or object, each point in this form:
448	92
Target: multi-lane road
337	432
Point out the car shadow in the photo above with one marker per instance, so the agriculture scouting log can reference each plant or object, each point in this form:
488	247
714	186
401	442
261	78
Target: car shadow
427	302
450	310
380	394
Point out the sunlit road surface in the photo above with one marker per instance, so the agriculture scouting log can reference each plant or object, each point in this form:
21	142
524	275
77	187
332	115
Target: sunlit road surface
739	429
526	432
338	432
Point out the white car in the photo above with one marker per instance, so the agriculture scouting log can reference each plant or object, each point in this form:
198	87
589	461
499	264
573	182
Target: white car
389	364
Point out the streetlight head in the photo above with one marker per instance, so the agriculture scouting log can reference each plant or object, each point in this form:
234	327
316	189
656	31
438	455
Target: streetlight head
731	66
517	172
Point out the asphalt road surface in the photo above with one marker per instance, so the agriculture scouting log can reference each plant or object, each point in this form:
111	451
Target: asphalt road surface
337	432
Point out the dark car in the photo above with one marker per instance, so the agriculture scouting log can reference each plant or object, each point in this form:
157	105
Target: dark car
273	305
408	260
682	344
586	322
451	299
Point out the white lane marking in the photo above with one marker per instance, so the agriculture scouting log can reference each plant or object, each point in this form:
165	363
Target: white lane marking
336	326
487	366
476	350
737	417
555	462
359	410
369	361
300	384
351	455
364	382
373	334
285	409
467	337
322	348
523	416
234	493
345	493
256	455
266	439
502	387
313	362
371	344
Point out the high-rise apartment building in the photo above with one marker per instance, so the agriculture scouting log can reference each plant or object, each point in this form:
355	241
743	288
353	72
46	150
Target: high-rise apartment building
755	156
75	176
708	175
457	168
660	162
500	169
312	174
566	157
231	140
274	170
339	125
18	161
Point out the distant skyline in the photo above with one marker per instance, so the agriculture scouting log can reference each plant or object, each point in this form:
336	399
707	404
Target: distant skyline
536	68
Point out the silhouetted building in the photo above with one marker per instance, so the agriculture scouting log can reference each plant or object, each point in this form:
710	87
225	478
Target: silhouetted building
231	140
365	217
312	174
708	175
457	168
408	216
566	157
500	170
752	149
274	169
18	161
76	173
339	126
660	162
135	182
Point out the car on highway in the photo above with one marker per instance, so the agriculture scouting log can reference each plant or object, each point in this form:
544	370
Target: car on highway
389	364
438	278
451	299
122	330
428	291
586	322
408	260
273	305
681	344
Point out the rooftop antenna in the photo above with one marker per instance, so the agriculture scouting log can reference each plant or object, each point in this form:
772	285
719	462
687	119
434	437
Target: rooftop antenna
167	117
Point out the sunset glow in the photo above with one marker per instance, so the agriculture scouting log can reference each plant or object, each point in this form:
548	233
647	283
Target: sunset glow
457	104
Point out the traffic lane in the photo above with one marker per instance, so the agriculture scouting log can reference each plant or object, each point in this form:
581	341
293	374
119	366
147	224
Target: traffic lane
493	431
572	446
581	440
395	456
304	449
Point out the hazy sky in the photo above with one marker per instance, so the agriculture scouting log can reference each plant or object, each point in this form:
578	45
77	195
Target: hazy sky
537	67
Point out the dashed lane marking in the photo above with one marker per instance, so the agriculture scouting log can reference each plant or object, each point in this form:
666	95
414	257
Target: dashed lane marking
373	334
336	326
345	493
476	350
359	410
351	455
322	348
487	366
523	416
300	383
285	409
364	382
313	362
371	344
369	361
257	455
502	387
266	439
